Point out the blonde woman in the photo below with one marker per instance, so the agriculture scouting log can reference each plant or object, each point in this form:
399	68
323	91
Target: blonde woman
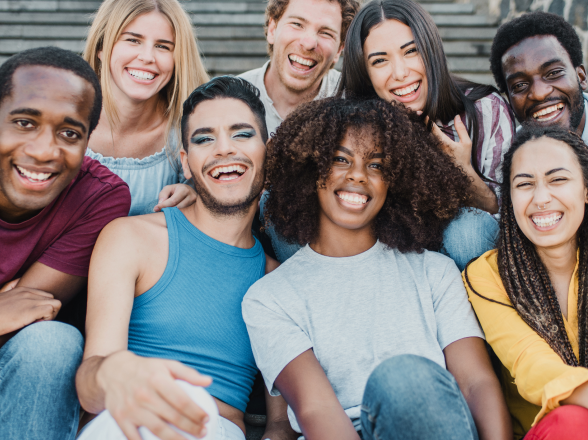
146	57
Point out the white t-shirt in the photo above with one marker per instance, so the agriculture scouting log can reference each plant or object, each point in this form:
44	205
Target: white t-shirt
273	120
356	312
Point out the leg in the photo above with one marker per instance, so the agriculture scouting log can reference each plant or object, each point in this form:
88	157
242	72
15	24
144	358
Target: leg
469	235
568	422
38	397
409	397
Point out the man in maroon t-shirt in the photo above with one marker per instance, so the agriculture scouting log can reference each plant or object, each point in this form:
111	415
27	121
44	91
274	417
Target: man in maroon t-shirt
54	202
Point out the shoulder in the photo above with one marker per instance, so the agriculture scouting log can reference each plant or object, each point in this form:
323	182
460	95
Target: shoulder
482	277
253	75
136	231
278	281
94	181
430	261
270	264
493	101
486	265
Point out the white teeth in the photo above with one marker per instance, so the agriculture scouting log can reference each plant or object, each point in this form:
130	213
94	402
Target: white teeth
38	177
546	221
407	90
226	170
299	60
354	198
141	74
547	110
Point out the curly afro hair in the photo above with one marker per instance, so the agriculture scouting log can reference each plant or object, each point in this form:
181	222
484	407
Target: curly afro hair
530	25
426	189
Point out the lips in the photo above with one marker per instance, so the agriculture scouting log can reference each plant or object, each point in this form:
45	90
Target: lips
404	91
549	113
228	172
141	75
546	220
302	64
32	176
408	93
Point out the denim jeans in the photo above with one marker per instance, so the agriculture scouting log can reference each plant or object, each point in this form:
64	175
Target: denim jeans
38	397
409	397
468	236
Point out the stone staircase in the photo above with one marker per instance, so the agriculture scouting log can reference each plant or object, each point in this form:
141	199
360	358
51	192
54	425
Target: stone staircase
230	32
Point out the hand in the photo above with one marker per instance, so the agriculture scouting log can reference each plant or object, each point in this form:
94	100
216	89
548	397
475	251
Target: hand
180	195
9	285
461	151
142	392
21	306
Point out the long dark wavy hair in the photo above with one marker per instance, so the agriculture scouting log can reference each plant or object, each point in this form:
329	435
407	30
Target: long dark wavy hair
446	96
425	188
524	275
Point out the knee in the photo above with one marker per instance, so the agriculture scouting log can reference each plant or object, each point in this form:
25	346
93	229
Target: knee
54	345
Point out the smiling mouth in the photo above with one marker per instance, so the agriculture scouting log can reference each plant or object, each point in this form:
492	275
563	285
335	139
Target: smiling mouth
353	198
548	113
32	176
230	172
408	90
300	63
141	74
546	221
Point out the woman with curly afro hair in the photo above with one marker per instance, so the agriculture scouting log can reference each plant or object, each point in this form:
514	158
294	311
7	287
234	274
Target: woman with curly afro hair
364	329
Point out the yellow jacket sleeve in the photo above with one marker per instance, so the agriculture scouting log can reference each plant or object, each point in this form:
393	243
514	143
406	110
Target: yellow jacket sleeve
541	376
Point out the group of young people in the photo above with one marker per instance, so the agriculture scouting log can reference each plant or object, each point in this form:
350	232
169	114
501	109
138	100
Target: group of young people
375	188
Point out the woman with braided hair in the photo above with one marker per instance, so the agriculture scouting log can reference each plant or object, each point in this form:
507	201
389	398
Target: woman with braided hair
531	294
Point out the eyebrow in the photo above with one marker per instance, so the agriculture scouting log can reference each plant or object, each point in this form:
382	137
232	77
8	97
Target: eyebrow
25	111
542	67
134	34
530	176
75	123
208	130
241	125
375	54
345	150
407	44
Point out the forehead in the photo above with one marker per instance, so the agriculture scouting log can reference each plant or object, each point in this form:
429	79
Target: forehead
50	90
530	54
541	155
153	24
221	112
321	12
363	140
389	32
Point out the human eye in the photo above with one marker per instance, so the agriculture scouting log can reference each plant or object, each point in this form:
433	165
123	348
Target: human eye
559	179
70	135
556	73
132	40
411	51
24	123
163	46
376	166
523	184
199	140
377	61
517	87
245	134
340	159
297	24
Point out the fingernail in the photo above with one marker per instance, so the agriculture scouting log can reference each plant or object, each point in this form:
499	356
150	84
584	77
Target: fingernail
203	432
205	419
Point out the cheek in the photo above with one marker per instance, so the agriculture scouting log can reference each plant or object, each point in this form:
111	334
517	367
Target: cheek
166	63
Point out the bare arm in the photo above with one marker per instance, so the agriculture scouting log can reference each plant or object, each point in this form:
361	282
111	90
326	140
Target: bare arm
278	426
306	388
137	391
468	361
578	397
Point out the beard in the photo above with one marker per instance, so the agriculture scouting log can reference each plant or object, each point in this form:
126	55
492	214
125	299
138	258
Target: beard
235	208
576	109
306	87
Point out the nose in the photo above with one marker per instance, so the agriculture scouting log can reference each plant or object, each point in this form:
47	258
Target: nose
309	41
541	195
224	146
356	173
146	54
399	69
43	147
539	90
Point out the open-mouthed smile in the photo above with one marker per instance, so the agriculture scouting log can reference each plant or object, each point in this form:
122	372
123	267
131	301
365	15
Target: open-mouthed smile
549	113
407	93
302	64
228	172
545	221
141	75
34	179
352	200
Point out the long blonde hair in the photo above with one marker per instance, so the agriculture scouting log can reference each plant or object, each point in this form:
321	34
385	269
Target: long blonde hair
111	19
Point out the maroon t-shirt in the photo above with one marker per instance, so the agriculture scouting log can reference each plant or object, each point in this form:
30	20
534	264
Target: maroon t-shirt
63	234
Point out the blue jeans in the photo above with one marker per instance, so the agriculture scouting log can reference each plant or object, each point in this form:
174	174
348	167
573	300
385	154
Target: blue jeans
38	397
468	236
409	397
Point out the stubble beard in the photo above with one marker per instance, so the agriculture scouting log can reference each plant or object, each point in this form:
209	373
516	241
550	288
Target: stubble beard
238	208
295	88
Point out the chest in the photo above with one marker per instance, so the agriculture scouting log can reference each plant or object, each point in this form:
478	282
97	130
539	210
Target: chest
136	144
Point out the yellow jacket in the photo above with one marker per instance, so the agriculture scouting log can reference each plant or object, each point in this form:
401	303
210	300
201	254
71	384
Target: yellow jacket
536	379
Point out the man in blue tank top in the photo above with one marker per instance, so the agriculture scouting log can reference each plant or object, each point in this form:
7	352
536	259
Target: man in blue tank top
165	289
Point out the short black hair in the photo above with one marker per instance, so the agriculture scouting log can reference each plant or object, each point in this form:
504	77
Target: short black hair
531	25
225	87
53	57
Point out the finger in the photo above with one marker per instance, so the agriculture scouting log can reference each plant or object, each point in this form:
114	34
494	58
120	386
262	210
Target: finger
173	415
166	192
29	292
183	406
161	429
9	285
172	201
48	310
129	430
190	375
419	112
462	131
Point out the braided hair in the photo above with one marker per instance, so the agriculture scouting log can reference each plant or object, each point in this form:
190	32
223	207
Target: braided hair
523	273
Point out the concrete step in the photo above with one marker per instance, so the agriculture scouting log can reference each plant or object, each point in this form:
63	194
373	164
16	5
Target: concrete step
468	64
193	7
207	19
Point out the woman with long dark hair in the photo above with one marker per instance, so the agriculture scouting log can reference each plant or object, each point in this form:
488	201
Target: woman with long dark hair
393	50
530	294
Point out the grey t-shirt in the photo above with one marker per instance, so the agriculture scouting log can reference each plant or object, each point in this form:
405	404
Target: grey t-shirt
356	312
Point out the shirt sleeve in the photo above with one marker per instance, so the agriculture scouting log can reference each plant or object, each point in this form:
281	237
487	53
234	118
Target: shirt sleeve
496	129
541	376
453	313
71	252
276	339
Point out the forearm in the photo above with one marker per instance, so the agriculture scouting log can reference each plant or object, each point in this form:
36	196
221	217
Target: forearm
279	430
578	397
483	197
326	424
90	393
491	416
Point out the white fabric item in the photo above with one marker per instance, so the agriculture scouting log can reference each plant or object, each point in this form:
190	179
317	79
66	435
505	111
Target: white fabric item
272	119
104	426
356	312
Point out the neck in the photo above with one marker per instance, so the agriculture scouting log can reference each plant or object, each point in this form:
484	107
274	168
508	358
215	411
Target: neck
561	260
284	98
233	230
16	216
136	116
335	241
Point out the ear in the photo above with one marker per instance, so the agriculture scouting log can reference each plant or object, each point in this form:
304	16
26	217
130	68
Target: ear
271	31
185	166
99	54
581	72
338	55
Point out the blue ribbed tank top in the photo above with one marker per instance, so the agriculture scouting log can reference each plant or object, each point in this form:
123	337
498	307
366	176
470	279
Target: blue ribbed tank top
193	313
